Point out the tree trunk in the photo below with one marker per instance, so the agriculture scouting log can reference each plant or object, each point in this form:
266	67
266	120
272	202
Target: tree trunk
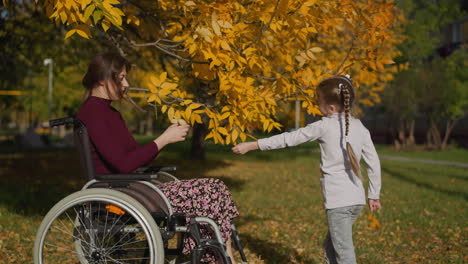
450	124
401	133
405	134
141	127
149	123
411	140
198	141
433	136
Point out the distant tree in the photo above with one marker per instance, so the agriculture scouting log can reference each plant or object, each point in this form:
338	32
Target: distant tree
423	79
27	38
446	98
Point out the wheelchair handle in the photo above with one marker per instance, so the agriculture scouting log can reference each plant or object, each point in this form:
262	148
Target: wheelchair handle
62	121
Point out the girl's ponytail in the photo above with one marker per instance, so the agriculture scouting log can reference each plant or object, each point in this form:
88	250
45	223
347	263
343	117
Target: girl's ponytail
347	108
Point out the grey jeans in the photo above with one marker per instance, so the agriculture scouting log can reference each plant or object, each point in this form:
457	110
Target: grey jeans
338	245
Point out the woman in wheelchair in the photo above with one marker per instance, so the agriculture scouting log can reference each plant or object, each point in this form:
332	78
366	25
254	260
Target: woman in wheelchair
114	150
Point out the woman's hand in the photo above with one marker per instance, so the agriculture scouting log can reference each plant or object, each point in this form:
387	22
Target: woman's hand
374	205
245	147
174	133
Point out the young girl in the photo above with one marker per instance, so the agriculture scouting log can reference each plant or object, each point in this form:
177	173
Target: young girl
343	140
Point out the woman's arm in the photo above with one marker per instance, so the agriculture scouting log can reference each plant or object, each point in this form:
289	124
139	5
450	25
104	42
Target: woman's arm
109	139
173	134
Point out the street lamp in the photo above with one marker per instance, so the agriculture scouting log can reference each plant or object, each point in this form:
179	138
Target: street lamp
298	114
50	62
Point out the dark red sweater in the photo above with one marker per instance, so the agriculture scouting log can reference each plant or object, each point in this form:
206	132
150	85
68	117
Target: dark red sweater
114	148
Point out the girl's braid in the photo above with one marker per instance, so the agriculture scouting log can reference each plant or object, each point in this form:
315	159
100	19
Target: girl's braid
346	107
345	90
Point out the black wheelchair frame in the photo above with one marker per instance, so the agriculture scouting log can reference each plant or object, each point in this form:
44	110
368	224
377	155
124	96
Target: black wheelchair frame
140	186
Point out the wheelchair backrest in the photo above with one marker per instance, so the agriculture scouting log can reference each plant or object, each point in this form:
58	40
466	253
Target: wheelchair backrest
83	144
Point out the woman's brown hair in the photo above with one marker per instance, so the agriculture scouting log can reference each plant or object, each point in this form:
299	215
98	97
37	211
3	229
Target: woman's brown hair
105	67
339	90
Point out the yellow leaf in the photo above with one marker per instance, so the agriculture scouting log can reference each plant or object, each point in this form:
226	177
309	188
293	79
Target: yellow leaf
316	49
224	116
194	106
105	25
83	31
190	3
164	108
265	125
235	134
223	131
214	24
388	61
89	10
154	80
162	77
210	135
133	19
70	33
170	113
188	112
243	137
224	24
169	86
198	119
152	98
225	45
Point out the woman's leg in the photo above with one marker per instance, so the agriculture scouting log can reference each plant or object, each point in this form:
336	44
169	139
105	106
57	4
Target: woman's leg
207	197
340	224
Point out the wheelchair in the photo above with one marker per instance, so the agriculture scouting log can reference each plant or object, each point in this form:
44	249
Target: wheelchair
122	218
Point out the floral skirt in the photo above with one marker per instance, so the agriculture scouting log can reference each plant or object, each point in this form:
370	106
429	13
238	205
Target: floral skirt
207	197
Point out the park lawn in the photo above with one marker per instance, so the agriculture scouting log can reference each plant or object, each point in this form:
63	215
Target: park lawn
278	195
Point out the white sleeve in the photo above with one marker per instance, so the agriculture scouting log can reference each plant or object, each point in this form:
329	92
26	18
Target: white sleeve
373	167
288	139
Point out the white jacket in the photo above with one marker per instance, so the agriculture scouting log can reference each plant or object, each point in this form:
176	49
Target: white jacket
340	187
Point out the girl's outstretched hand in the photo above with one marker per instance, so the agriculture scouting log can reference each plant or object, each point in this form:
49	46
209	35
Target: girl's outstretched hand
374	205
245	147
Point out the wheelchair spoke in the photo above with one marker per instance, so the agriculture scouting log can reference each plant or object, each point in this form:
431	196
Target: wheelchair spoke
112	227
123	224
115	248
126	259
105	225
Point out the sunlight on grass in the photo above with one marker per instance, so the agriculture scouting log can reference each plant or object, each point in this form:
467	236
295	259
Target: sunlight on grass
279	198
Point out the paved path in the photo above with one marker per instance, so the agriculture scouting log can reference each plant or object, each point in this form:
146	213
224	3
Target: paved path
426	161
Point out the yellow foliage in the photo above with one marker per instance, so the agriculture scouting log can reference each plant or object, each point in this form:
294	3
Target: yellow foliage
247	57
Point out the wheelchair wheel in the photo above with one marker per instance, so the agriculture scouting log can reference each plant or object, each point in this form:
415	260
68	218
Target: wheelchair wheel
98	226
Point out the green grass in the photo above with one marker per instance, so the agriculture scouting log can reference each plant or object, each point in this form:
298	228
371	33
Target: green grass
451	154
278	195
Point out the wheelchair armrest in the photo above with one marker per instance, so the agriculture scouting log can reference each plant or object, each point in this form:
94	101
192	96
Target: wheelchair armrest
151	169
125	177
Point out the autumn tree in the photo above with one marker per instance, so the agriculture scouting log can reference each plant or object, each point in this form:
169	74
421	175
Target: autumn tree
223	66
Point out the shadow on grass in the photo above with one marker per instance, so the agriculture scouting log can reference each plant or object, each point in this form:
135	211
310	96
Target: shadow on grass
425	185
269	251
32	182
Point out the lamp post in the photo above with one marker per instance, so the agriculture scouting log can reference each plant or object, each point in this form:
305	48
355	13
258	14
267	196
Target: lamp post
50	63
298	114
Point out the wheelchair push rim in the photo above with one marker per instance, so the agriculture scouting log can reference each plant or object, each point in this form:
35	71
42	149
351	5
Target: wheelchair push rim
98	226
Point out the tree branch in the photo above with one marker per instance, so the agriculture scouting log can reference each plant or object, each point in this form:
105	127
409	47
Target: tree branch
346	57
